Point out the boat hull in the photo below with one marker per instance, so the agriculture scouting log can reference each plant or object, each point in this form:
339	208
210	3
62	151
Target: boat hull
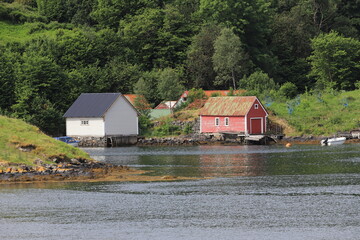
333	141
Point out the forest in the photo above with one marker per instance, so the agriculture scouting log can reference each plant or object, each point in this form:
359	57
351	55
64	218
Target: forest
53	50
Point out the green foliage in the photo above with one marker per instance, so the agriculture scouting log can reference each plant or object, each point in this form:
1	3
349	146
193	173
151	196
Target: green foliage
250	20
7	79
335	61
75	11
159	48
288	90
187	129
145	125
169	86
147	86
258	84
19	13
229	59
195	94
199	58
166	128
320	114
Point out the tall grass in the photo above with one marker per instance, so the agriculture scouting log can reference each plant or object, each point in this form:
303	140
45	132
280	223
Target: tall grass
321	113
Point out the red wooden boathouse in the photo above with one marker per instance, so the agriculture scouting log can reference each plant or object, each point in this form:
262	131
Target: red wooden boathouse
233	114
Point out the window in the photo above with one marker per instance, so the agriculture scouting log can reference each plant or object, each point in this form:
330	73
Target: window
256	106
84	122
226	121
217	121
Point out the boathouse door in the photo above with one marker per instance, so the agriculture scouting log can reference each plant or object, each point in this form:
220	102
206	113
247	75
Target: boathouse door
255	126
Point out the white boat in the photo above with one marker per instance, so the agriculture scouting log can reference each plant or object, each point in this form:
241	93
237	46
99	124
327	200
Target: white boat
333	141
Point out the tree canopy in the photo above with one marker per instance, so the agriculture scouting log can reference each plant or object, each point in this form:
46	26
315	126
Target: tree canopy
53	50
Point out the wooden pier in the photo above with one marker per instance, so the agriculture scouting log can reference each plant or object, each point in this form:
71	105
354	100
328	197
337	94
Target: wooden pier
241	137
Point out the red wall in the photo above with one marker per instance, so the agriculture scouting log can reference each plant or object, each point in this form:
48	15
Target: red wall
256	113
236	124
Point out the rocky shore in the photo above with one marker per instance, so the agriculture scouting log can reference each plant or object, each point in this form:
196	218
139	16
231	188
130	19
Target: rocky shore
76	170
200	139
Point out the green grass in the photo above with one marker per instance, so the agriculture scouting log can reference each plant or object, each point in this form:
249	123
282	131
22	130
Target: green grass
22	33
15	133
321	114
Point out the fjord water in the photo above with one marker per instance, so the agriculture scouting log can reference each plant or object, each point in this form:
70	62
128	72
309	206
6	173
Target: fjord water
243	192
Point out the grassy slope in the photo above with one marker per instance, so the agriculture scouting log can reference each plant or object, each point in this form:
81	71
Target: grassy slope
324	114
15	133
21	32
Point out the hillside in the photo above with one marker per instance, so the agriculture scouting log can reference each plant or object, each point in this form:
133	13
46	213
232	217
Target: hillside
319	113
145	46
24	144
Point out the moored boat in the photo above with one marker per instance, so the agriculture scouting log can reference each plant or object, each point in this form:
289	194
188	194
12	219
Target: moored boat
333	141
68	140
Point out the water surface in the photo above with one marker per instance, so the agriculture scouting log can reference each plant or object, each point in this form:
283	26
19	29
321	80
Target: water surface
255	192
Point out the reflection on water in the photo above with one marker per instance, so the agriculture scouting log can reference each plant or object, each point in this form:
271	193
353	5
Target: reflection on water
258	192
225	161
239	164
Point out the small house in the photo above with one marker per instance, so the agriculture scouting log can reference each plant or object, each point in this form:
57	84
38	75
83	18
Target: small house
233	114
100	115
166	105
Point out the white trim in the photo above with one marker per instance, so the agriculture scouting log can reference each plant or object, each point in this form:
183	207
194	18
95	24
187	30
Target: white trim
262	106
226	121
200	124
262	124
218	119
246	125
259	104
137	125
256	106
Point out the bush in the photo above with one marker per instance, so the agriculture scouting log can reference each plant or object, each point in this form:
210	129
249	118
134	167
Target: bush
195	94
188	129
288	90
259	82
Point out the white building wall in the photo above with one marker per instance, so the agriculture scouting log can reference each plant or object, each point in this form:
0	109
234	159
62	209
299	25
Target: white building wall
95	128
121	119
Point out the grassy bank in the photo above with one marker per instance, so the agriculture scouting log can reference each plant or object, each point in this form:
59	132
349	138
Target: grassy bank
319	113
21	143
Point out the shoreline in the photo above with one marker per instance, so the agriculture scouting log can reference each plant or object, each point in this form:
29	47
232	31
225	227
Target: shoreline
202	140
106	173
81	170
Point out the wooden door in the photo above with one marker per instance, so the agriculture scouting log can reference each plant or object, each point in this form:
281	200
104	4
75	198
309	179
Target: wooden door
255	124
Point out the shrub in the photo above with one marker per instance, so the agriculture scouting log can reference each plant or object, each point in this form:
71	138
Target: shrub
195	94
288	90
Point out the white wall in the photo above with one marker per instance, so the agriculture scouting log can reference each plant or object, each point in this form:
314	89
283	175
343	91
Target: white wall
95	127
121	119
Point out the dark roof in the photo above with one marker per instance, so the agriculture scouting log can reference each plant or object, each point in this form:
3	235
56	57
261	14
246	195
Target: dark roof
91	105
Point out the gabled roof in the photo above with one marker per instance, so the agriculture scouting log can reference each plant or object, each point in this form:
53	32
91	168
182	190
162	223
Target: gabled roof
228	106
91	105
131	97
166	105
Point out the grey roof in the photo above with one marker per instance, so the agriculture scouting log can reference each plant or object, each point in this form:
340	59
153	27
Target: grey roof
91	105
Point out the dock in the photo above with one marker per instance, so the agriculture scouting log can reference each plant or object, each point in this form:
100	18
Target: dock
241	137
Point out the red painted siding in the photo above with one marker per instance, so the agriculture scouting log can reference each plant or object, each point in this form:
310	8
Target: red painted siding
260	114
236	124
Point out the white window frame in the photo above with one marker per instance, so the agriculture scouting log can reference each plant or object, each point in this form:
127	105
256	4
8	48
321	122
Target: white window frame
217	121
256	106
226	121
84	122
